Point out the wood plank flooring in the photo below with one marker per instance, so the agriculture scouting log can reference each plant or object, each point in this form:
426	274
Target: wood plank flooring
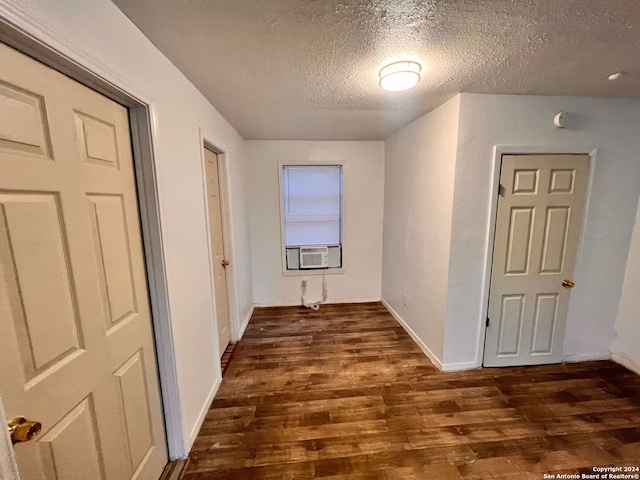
345	393
227	356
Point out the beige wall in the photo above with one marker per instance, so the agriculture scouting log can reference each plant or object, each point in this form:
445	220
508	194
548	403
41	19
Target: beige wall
419	176
608	128
363	185
626	347
96	34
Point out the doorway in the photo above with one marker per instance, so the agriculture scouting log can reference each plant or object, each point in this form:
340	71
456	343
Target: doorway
538	224
74	302
219	259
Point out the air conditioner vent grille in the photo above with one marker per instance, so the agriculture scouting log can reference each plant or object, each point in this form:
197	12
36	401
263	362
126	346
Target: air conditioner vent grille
313	249
314	257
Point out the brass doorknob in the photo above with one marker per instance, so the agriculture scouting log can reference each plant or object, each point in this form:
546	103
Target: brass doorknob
568	283
23	430
225	263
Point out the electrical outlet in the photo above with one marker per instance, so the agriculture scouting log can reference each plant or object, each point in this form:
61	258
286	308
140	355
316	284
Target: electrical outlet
404	299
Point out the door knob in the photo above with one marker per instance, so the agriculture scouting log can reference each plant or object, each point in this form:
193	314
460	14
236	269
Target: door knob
23	430
225	263
568	283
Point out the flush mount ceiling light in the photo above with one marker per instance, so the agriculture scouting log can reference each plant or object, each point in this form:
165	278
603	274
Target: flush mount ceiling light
399	76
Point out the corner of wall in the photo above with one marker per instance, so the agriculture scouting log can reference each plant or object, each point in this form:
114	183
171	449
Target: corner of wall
191	437
432	356
245	323
524	122
456	246
626	361
419	183
587	357
624	348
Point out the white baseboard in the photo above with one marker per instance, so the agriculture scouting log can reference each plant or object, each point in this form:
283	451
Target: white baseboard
587	357
203	413
626	362
459	366
436	361
243	327
297	302
214	390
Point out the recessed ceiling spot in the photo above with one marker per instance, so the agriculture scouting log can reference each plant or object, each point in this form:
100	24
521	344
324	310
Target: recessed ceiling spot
399	76
615	76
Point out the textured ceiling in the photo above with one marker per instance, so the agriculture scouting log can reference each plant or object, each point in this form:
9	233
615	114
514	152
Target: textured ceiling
307	69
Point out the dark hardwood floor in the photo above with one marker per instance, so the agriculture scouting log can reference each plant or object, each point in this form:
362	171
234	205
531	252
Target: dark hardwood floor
345	393
227	356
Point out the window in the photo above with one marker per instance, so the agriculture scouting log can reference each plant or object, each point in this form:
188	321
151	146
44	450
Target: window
312	198
312	210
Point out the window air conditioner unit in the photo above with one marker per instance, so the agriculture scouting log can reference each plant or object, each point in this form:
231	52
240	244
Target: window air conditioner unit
314	257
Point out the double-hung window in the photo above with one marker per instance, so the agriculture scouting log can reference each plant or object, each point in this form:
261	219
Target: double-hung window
312	211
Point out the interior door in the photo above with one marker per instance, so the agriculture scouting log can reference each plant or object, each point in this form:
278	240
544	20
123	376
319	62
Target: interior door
77	348
540	210
220	262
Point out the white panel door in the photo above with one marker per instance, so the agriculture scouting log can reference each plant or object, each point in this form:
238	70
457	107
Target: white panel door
77	348
217	249
540	210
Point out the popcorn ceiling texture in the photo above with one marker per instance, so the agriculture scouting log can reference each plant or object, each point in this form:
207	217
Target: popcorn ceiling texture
307	69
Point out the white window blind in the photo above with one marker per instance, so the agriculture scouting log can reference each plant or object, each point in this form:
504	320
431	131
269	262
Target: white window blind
312	204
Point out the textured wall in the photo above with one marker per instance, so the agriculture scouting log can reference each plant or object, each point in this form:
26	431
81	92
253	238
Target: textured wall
626	347
611	127
420	162
363	185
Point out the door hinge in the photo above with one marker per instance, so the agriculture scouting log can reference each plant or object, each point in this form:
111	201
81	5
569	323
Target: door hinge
487	324
501	190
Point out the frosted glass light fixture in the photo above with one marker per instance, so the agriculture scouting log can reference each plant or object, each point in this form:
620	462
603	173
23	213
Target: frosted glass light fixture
399	76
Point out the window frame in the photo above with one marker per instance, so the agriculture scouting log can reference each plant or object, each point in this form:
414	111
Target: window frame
283	247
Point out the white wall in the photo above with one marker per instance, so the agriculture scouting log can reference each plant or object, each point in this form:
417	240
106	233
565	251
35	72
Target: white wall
98	35
610	125
363	186
420	162
626	347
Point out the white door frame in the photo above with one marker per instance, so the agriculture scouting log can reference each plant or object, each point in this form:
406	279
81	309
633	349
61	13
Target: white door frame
227	234
46	47
498	152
